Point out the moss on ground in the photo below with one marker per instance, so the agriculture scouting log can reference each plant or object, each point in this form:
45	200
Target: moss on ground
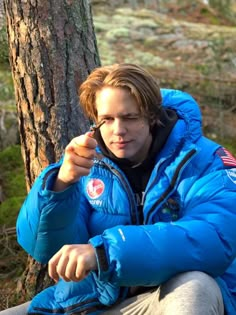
3	46
12	181
6	85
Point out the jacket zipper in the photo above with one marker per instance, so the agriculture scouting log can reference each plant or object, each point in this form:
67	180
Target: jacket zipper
165	194
94	305
127	189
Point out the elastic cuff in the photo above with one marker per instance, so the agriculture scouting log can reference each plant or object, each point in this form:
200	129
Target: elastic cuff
104	267
48	183
50	178
102	258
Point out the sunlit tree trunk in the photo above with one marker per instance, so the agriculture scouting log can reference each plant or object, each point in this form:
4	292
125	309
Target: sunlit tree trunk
52	49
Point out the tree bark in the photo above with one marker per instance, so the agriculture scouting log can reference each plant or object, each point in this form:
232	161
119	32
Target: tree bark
52	49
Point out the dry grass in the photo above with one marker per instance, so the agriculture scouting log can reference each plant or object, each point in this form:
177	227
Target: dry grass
12	264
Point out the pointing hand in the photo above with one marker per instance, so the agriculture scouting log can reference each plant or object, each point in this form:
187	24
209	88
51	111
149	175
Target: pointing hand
78	160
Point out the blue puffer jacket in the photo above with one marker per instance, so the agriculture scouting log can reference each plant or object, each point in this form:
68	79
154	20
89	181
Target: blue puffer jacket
189	220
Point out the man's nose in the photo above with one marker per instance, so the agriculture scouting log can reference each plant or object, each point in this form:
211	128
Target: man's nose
119	127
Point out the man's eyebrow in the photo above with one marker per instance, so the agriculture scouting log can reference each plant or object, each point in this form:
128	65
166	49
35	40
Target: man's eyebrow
103	115
119	115
131	114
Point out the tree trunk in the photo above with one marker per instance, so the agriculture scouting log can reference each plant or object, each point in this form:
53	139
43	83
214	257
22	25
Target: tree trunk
52	49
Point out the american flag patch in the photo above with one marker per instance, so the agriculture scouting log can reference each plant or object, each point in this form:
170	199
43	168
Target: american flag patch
227	158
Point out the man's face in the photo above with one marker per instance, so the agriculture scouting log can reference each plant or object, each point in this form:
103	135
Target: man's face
126	133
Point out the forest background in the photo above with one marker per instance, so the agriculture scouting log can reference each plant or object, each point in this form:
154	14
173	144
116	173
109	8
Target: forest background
188	45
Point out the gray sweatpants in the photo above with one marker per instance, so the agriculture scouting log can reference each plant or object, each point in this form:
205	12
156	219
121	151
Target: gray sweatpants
189	293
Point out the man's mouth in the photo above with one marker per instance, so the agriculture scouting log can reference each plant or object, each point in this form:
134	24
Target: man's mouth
121	144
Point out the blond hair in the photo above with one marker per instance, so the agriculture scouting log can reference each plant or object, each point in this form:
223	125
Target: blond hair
140	84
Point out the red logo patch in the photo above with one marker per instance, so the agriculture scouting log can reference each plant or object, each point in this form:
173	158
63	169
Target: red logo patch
95	188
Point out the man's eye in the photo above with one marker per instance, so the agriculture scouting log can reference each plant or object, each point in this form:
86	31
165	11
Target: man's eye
132	117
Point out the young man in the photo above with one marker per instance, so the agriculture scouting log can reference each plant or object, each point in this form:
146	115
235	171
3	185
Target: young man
139	216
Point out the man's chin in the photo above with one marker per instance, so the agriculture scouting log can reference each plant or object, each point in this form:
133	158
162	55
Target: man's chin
121	155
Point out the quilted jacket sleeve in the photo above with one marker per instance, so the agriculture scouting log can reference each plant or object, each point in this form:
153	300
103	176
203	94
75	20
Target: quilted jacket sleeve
203	239
48	220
